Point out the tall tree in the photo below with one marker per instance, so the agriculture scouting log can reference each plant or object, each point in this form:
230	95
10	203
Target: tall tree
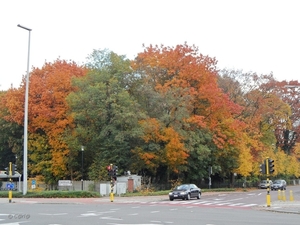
47	117
288	135
199	103
10	139
106	116
263	110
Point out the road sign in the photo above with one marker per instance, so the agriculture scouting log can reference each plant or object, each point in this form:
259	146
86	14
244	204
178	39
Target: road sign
64	183
10	186
33	183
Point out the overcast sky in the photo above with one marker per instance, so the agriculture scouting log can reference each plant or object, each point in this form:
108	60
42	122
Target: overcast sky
251	35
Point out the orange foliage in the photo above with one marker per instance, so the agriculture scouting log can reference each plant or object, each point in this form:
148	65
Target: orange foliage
196	76
47	107
172	151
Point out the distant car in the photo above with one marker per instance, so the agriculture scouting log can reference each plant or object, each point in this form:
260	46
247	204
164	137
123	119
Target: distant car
264	184
185	191
278	185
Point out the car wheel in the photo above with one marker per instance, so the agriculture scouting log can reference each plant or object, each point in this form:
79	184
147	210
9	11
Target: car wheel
199	195
171	199
188	197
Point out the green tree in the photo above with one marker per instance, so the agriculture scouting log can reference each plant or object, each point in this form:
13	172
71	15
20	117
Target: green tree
106	116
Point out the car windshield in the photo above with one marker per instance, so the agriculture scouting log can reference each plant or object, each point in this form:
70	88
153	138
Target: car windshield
180	187
277	182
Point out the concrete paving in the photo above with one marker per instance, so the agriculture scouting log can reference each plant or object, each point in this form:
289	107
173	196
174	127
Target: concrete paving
282	207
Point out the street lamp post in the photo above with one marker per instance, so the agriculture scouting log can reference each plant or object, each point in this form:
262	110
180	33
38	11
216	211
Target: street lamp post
82	150
26	117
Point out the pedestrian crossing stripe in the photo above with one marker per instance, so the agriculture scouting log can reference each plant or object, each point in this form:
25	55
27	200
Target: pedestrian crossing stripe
198	203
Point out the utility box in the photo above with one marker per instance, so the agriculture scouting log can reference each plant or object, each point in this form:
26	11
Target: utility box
103	189
136	181
121	188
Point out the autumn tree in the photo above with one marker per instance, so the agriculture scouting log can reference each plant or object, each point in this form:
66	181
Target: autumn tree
47	117
263	110
10	138
195	101
288	135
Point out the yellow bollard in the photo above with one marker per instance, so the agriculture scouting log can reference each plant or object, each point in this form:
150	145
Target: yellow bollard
291	196
283	196
268	200
111	197
279	195
9	196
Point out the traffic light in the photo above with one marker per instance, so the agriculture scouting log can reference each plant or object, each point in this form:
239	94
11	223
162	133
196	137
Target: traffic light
262	169
115	172
14	169
109	170
271	166
10	169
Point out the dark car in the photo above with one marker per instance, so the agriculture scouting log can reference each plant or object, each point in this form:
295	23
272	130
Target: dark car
185	191
264	184
278	185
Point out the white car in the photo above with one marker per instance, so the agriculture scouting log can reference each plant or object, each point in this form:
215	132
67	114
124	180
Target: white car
264	184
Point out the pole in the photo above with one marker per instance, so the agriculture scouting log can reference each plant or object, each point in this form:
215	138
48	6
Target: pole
10	182
111	195
268	183
26	118
82	170
82	149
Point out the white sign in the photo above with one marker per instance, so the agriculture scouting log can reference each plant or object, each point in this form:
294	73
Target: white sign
63	183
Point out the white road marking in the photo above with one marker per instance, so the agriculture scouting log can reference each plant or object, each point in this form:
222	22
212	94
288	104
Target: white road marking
16	223
110	218
248	205
224	203
88	214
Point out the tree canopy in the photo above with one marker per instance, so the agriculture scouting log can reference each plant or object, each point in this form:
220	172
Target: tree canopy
170	113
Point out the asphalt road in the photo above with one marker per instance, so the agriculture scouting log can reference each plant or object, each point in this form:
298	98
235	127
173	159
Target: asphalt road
212	209
117	213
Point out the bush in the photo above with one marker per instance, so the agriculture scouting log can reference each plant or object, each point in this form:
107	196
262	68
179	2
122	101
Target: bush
52	194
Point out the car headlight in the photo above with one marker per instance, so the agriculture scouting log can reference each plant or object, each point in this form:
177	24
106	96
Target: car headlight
170	193
183	193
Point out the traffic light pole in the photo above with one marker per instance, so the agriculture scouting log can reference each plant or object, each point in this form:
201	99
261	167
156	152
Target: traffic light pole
267	168
112	173
111	194
111	189
10	180
268	182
